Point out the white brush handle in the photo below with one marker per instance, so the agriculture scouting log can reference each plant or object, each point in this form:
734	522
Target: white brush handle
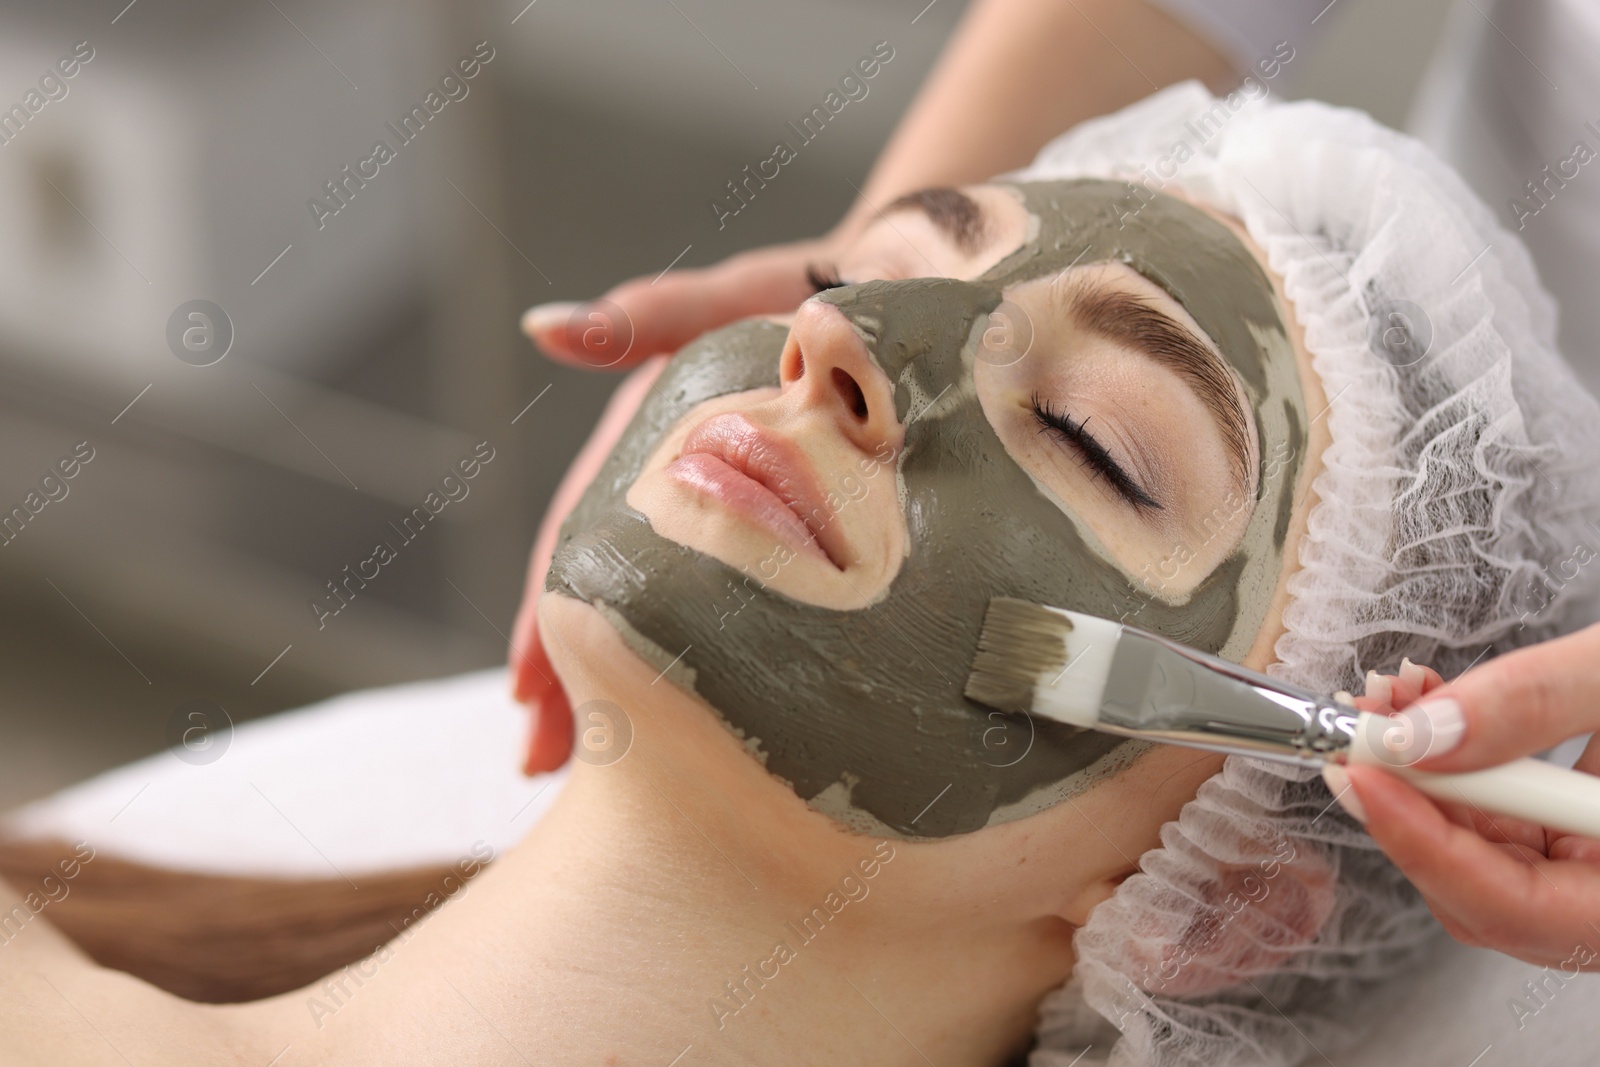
1523	789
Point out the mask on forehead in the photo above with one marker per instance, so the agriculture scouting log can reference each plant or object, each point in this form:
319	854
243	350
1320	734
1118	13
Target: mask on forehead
862	711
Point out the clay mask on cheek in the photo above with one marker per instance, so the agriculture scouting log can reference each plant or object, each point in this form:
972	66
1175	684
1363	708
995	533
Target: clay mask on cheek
862	711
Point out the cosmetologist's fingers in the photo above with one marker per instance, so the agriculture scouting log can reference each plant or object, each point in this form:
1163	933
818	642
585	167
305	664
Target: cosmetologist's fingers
648	316
534	680
1512	706
1588	760
1504	898
530	671
1387	692
1409	683
550	732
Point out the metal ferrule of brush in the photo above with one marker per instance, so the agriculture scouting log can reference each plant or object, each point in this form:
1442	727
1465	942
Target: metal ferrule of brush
1158	689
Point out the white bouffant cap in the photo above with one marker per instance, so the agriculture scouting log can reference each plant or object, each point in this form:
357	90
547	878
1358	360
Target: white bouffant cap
1456	519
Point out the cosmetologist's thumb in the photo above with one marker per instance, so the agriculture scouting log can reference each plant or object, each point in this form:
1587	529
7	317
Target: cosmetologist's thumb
1521	703
651	315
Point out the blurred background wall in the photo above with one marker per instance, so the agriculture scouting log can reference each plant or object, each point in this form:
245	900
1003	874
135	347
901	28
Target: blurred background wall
372	347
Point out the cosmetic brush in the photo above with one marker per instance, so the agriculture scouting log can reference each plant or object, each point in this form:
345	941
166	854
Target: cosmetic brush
1101	675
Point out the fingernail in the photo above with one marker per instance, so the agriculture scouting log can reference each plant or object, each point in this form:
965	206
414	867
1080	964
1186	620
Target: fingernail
1338	780
1378	686
1411	674
542	317
1447	726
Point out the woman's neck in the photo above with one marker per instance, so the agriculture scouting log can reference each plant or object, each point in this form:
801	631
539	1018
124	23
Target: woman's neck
678	909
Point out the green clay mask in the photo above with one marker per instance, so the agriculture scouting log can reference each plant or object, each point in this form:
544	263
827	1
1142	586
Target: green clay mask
861	712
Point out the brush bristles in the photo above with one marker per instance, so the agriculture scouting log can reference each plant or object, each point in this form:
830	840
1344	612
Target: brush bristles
1020	643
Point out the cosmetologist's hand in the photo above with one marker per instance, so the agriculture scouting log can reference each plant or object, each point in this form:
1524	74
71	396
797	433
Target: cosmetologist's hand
1497	882
534	681
635	321
1037	66
649	316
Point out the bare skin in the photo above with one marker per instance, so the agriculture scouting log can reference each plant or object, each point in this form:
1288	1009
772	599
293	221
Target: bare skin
611	931
1050	66
1497	882
904	244
1045	66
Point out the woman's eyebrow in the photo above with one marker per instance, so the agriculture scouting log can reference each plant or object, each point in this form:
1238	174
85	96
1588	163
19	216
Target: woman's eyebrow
1127	319
956	215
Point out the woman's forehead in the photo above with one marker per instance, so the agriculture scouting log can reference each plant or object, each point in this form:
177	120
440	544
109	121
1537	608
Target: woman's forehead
1194	257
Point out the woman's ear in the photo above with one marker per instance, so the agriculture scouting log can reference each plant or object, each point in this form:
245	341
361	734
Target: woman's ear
1190	923
1200	893
1077	909
1122	819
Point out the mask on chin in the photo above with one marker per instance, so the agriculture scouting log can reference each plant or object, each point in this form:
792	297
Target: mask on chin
861	712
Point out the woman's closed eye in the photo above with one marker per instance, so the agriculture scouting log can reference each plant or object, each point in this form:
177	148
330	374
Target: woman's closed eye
1128	418
823	277
1094	455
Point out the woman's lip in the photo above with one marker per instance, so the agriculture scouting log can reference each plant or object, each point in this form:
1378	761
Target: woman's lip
745	496
779	468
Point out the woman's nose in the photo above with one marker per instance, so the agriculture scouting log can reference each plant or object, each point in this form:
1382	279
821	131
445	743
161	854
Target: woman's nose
826	367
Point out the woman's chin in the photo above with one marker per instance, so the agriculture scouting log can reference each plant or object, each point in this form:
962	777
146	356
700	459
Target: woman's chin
680	729
588	654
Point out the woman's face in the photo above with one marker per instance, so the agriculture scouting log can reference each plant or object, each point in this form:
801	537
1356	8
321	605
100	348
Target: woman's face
1063	392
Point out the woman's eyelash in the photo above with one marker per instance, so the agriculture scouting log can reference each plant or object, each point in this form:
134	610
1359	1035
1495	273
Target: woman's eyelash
822	278
1092	451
